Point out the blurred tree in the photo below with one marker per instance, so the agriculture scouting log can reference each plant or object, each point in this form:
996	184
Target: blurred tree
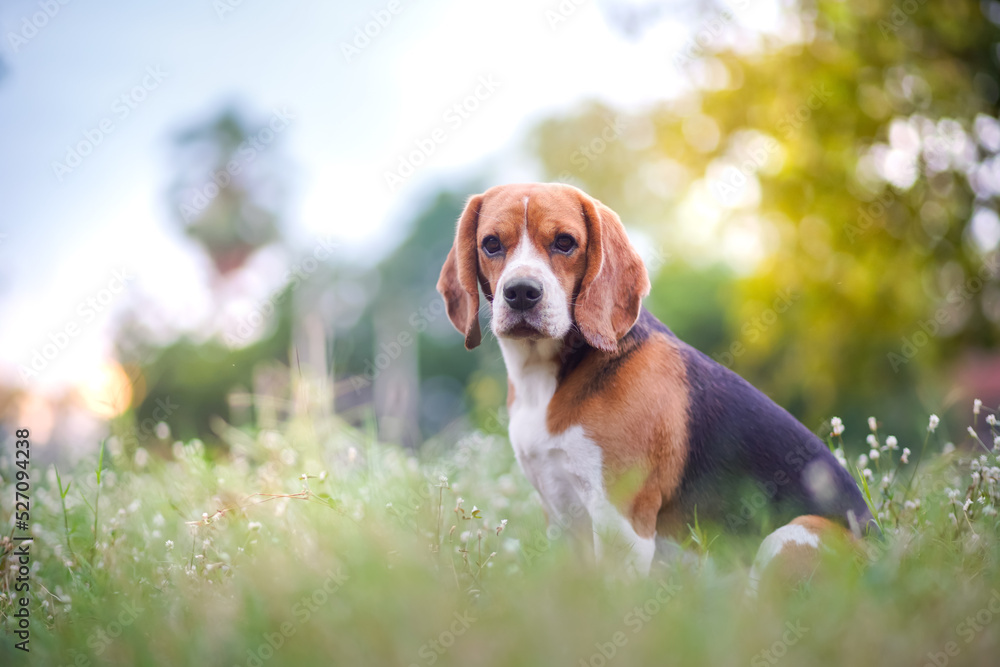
225	195
403	350
845	167
394	352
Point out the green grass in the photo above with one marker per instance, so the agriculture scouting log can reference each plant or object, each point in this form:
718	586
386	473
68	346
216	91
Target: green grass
340	551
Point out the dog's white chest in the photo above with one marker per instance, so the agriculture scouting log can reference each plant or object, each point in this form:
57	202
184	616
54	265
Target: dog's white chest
565	468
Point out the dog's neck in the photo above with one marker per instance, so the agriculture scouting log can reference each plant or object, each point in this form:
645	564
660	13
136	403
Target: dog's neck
536	367
532	367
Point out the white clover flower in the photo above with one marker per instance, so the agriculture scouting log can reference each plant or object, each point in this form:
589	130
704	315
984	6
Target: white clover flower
967	505
972	432
443	478
867	473
932	424
170	545
838	454
996	444
254	525
891	442
872	441
910	505
976	405
838	426
872	424
862	461
905	457
975	478
886	481
873	455
952	494
991	419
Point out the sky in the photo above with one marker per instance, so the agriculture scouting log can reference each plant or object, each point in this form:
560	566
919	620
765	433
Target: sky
80	234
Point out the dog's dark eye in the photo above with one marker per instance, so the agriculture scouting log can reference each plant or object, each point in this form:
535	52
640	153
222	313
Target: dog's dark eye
564	243
492	245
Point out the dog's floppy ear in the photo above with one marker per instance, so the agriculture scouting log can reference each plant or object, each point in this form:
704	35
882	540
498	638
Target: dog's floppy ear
615	280
459	281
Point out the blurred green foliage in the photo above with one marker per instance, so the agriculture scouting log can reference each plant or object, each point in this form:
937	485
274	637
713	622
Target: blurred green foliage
856	147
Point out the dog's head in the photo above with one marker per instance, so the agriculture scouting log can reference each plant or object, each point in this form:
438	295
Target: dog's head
547	256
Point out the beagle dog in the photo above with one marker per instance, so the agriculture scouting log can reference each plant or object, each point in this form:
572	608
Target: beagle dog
624	430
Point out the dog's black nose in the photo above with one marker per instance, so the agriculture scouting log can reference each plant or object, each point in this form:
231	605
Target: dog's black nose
523	293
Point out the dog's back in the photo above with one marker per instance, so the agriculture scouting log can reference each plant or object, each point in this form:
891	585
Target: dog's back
747	462
748	456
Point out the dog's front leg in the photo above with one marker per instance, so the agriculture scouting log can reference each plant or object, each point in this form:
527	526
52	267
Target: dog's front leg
616	538
579	507
568	516
595	521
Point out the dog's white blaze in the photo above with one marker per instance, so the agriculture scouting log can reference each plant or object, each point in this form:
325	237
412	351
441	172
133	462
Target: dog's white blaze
566	469
773	545
551	316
